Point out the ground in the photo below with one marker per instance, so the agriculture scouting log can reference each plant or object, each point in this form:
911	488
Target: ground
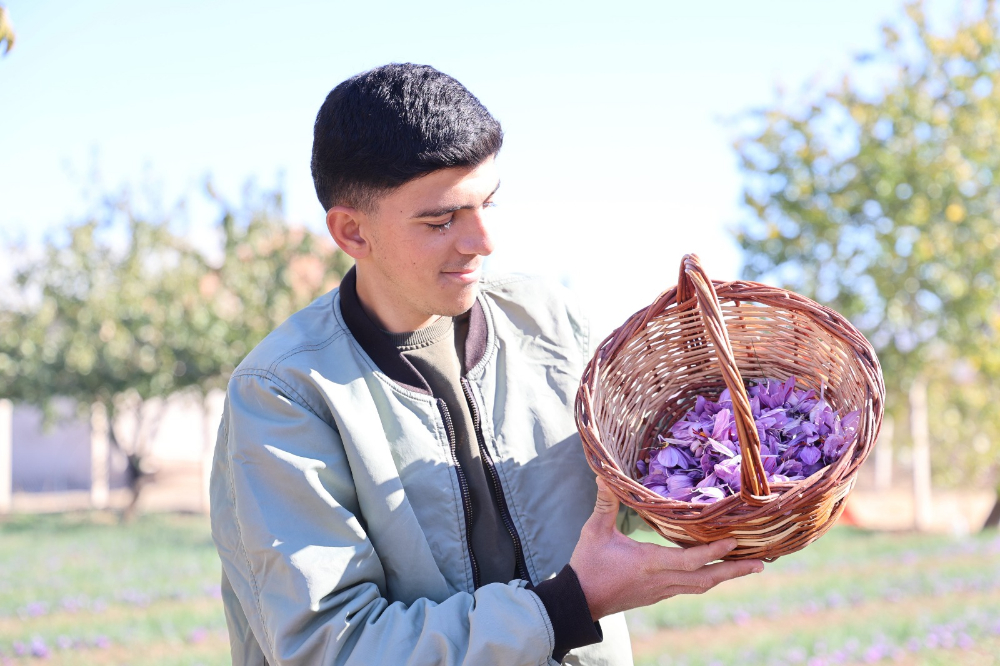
80	589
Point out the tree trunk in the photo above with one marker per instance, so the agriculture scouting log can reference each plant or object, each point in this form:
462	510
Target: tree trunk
135	477
100	483
919	431
6	454
993	520
138	479
883	456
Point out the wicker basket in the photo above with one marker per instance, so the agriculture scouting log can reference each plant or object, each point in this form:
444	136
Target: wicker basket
698	339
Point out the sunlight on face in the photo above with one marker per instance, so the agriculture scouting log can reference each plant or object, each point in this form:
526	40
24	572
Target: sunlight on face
428	239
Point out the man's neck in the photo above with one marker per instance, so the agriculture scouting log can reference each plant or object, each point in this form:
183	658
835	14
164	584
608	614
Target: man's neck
382	311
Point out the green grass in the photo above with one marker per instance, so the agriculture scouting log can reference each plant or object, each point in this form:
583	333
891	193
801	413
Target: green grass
94	592
849	598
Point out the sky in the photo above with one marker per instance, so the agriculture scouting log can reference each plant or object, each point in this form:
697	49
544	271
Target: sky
618	117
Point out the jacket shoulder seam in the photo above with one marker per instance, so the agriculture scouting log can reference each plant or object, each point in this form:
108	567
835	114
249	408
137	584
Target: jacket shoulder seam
281	383
305	346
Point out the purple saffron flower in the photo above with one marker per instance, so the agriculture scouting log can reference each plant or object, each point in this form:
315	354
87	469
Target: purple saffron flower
834	446
728	471
810	455
799	434
677	481
724	426
708	481
683	494
674	456
709	494
725	449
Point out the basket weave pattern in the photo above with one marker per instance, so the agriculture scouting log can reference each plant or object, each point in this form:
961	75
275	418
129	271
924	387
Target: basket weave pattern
698	339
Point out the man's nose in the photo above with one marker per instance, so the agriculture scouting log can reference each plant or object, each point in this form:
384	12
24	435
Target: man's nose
477	239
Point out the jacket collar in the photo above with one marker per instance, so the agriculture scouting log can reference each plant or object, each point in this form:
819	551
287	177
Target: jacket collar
384	353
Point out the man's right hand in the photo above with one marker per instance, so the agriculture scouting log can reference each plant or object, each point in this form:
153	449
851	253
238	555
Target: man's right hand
618	573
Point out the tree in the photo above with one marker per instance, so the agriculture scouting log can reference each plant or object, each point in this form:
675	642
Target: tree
886	206
268	271
6	31
122	309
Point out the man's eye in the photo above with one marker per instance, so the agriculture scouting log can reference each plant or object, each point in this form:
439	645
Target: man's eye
444	226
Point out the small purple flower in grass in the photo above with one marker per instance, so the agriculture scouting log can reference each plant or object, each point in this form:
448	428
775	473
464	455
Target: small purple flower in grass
102	642
875	654
64	643
198	635
39	649
20	649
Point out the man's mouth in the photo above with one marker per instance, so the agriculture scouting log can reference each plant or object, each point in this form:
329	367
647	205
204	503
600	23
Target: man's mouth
466	275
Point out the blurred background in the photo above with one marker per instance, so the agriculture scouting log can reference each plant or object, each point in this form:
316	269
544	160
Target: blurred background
157	219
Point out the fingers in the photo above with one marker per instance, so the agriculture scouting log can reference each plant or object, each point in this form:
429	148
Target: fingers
723	571
711	575
606	507
698	556
606	500
707	577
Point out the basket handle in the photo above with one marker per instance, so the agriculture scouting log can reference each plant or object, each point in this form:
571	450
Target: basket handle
693	282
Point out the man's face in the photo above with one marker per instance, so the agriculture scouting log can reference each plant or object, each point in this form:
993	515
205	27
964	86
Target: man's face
427	241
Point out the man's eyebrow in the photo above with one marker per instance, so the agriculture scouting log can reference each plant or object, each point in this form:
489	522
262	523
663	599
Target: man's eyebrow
439	212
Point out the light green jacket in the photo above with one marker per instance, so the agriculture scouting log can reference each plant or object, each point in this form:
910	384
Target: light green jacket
336	509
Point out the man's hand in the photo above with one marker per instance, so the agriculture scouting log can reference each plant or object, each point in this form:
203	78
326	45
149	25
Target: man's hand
617	573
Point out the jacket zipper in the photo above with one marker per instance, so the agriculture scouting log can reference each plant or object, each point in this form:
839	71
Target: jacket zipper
463	485
508	522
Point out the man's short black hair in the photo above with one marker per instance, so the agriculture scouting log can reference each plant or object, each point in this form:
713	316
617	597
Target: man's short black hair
385	127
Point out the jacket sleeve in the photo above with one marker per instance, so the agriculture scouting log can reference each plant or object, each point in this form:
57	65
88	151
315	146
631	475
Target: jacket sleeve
294	548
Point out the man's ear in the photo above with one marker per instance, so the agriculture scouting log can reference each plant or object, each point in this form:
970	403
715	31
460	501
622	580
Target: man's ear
345	225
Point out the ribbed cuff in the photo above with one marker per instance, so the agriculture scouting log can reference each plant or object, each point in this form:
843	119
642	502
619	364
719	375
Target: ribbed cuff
568	611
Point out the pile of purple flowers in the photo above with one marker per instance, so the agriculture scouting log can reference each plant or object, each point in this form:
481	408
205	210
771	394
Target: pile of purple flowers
700	460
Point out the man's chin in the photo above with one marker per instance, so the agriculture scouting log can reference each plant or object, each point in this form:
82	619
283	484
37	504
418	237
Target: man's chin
462	303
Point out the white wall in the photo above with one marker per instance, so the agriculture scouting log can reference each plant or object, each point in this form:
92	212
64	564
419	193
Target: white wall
57	458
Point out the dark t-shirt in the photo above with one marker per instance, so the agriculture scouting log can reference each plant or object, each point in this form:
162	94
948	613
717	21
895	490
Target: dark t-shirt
435	352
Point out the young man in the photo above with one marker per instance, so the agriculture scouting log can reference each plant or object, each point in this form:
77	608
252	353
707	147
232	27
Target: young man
398	477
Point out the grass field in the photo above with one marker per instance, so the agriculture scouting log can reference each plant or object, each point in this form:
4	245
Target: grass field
80	590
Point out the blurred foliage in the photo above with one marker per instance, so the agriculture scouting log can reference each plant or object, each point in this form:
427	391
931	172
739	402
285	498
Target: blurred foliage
6	31
268	272
885	206
122	308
